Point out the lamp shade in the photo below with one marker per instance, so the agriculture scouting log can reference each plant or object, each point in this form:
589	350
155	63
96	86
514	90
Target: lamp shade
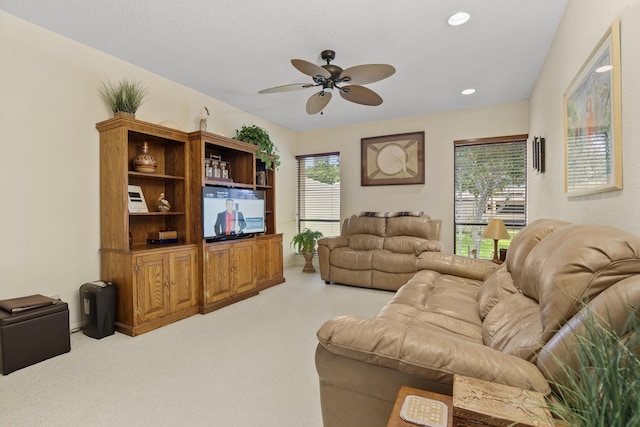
496	230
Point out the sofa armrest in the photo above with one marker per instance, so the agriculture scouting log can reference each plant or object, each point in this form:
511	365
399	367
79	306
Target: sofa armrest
425	353
333	242
456	265
430	246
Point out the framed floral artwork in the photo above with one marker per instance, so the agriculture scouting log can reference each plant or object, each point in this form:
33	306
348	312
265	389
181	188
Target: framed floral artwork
592	121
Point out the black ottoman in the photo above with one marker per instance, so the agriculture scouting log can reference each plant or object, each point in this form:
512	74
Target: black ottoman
34	335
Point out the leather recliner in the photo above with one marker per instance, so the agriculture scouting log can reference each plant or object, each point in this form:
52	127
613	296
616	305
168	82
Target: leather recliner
512	324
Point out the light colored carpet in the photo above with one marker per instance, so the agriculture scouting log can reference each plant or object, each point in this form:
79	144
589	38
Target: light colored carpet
248	364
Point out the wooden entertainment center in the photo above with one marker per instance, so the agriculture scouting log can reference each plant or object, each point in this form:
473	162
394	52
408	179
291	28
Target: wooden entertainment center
158	284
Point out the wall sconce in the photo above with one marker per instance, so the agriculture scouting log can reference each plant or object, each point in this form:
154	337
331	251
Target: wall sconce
538	153
496	230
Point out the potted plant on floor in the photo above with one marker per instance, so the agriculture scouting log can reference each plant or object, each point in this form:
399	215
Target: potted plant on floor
267	150
123	98
305	244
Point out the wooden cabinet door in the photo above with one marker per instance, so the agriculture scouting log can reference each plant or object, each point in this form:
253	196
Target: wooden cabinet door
261	261
152	286
217	273
274	259
242	268
184	281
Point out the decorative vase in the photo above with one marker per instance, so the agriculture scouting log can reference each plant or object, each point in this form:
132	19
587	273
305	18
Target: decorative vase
144	162
308	265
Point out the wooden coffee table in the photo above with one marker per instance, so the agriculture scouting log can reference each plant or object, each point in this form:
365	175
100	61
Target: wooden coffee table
396	421
478	403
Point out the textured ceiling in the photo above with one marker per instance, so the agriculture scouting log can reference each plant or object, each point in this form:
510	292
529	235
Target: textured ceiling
230	50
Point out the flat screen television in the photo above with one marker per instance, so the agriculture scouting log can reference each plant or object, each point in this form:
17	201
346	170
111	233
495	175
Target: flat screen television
231	213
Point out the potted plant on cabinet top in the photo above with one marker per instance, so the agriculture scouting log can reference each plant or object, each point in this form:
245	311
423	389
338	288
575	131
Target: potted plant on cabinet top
305	243
124	97
267	150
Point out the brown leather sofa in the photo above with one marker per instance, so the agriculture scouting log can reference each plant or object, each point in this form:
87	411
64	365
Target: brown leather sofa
509	324
378	249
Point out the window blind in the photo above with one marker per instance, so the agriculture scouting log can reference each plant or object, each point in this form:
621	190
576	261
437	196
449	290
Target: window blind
490	181
318	193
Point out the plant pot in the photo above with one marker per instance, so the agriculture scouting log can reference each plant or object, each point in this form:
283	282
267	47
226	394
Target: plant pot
123	115
308	265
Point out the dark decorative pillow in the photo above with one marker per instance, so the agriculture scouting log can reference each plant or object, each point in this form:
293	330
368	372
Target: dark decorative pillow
391	214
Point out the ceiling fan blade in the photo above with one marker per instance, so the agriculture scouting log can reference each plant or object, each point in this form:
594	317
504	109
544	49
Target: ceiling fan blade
317	102
360	95
286	88
310	69
368	73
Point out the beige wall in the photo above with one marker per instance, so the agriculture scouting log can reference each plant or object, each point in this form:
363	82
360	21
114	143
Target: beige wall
49	163
582	26
435	197
49	221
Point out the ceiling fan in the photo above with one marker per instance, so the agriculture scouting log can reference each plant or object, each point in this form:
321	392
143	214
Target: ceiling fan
332	77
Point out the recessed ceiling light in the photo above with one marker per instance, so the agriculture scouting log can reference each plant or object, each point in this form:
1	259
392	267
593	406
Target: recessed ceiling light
458	18
468	91
604	68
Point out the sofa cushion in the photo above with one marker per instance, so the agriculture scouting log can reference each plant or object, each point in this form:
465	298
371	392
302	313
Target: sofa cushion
524	242
404	245
498	286
365	242
573	265
392	262
430	246
456	265
366	225
351	259
513	327
409	226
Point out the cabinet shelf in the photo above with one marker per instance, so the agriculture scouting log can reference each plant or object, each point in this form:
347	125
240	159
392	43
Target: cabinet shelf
155	213
229	184
154	176
152	248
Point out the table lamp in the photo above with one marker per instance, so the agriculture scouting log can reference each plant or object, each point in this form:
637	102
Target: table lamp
496	230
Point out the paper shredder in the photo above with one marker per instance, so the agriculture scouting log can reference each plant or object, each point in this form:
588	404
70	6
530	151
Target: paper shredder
98	305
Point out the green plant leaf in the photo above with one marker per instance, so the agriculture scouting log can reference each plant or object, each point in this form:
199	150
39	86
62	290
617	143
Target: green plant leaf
305	241
267	150
126	96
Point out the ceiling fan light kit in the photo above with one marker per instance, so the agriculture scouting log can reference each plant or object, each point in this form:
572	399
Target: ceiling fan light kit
330	77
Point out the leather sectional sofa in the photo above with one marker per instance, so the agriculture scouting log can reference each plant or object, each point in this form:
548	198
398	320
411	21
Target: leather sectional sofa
378	249
508	324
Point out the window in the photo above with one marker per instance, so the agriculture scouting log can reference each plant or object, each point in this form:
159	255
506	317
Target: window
490	181
318	202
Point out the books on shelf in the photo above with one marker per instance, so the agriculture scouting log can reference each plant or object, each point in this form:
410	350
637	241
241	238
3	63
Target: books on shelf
162	235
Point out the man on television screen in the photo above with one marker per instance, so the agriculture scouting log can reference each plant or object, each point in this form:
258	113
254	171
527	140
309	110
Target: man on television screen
230	221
